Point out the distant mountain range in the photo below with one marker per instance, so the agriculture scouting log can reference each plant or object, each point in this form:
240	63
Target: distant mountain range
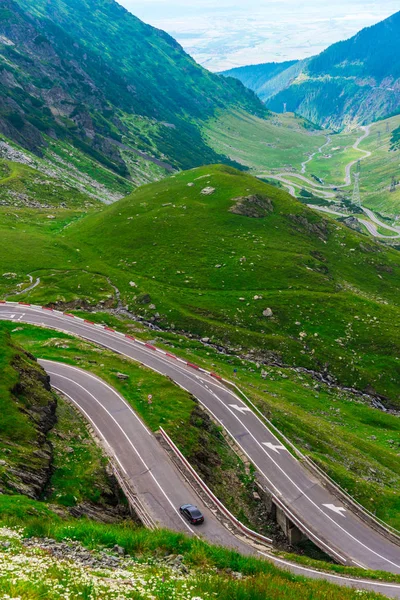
354	81
89	73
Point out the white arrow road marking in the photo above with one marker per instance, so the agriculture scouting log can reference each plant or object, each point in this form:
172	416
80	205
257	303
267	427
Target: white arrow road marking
337	509
241	409
274	447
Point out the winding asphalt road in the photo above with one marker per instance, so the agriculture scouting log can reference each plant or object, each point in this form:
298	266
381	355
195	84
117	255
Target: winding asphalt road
304	500
158	484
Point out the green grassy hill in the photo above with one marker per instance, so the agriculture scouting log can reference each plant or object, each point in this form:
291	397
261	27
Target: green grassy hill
278	142
189	261
195	262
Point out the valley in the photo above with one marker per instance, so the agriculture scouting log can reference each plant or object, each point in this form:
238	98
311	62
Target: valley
325	171
198	303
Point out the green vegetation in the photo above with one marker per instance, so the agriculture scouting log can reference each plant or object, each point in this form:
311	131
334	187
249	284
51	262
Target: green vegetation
21	185
68	88
277	142
148	576
332	294
79	474
78	465
350	82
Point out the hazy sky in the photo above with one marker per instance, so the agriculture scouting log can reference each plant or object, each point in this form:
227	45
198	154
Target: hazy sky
228	33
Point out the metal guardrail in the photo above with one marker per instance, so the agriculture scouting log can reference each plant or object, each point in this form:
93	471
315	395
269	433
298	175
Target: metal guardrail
362	512
246	530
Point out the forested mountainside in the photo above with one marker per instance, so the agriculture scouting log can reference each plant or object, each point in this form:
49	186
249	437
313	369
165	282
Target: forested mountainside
91	73
264	78
354	81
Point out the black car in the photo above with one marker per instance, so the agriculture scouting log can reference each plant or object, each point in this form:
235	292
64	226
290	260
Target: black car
192	514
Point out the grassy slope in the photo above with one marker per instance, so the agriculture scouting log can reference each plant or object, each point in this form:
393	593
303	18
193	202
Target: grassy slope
71	77
144	577
334	300
355	443
339	291
278	142
21	185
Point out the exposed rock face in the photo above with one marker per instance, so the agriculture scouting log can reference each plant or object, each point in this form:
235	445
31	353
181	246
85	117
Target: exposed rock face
24	474
207	191
353	223
255	206
26	452
318	228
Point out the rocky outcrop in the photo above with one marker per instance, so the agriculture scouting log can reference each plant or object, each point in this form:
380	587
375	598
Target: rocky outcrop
255	206
304	225
28	456
353	223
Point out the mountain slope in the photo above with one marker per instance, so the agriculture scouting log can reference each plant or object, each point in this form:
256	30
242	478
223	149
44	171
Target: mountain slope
357	80
249	267
91	74
257	77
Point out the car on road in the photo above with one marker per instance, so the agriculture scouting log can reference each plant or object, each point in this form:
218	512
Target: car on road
191	514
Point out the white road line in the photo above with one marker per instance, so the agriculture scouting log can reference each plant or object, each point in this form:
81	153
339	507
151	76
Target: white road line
304	493
337	509
241	409
101	382
173	366
274	447
131	444
370	582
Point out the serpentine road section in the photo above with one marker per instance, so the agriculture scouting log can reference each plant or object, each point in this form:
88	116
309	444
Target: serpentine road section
158	484
307	503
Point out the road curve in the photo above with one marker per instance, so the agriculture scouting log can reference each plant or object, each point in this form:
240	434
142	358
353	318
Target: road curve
158	484
309	505
319	151
367	154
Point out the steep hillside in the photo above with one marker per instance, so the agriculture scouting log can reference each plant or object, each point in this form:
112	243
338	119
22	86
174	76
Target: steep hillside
120	95
355	81
259	77
28	410
222	255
